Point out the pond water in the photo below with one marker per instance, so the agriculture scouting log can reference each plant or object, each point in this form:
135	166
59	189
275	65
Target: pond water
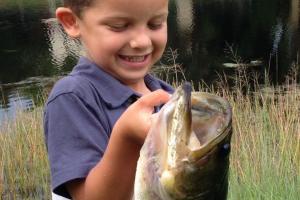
205	36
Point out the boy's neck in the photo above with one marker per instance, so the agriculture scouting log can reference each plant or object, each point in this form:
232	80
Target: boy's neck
140	88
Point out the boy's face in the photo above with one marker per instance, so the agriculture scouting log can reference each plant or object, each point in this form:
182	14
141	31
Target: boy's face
125	37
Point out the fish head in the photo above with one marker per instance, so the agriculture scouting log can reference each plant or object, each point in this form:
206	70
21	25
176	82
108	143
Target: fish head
193	145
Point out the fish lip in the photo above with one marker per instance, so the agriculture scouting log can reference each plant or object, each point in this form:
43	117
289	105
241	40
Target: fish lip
198	154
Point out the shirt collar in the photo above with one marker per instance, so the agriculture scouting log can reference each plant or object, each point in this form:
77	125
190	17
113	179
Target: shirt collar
112	91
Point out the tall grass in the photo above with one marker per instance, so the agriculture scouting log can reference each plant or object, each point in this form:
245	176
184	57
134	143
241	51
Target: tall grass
24	171
265	158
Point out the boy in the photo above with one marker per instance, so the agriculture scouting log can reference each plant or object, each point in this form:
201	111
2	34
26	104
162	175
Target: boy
97	118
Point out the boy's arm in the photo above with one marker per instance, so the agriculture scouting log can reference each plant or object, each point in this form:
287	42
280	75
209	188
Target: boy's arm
113	177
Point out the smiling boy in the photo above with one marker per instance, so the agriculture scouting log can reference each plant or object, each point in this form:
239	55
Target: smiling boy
96	119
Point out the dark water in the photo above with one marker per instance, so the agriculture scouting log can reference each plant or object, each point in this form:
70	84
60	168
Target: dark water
32	44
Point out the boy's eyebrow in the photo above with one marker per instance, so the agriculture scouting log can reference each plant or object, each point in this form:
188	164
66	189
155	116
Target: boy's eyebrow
124	17
165	14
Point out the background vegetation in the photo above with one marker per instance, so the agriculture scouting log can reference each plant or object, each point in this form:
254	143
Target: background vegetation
265	159
24	170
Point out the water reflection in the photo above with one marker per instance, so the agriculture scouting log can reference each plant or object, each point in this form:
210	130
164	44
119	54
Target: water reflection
63	50
24	95
265	30
60	45
14	100
32	45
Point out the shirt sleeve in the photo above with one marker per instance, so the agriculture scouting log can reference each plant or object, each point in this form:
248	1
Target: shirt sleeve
75	138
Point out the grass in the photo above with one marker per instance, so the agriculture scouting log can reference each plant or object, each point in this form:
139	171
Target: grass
265	157
24	170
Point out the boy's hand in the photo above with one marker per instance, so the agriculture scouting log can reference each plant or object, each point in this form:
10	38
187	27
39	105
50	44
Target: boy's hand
135	122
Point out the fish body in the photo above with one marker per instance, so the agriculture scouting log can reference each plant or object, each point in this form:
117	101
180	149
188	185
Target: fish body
186	153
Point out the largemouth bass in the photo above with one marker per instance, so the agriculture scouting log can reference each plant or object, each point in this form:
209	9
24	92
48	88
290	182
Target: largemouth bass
186	153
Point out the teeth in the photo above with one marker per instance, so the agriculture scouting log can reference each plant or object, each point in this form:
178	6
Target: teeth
134	58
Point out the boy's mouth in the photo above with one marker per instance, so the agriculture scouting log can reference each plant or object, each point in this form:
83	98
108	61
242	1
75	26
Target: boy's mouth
134	59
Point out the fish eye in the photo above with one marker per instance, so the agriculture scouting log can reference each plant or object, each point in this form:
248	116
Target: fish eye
225	150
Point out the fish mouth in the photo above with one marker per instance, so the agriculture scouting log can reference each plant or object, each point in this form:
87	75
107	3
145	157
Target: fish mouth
211	124
197	123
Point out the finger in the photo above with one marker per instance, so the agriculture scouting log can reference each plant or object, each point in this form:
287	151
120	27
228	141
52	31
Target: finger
155	98
153	118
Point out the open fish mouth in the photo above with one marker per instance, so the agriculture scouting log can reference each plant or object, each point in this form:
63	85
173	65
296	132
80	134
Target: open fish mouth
186	153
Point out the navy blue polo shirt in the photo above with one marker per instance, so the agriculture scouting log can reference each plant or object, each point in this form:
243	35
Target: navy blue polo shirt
80	113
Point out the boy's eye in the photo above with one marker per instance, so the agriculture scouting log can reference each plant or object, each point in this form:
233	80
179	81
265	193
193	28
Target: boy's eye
155	26
117	27
157	23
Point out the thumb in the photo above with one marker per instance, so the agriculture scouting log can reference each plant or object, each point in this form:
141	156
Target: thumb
155	98
154	117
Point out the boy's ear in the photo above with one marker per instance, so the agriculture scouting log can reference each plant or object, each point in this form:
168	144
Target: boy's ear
69	21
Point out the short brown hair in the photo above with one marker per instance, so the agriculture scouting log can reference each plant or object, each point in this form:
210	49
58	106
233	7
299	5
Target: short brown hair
77	5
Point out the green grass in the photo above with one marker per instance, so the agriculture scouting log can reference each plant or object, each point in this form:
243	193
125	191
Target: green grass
24	170
265	157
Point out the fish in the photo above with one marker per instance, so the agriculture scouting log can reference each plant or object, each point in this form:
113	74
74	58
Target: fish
185	155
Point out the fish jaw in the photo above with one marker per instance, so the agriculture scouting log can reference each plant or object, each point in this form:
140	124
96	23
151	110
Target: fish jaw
179	126
160	147
178	131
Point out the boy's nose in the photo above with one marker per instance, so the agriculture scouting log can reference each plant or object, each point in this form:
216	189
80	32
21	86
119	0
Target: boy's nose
140	41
